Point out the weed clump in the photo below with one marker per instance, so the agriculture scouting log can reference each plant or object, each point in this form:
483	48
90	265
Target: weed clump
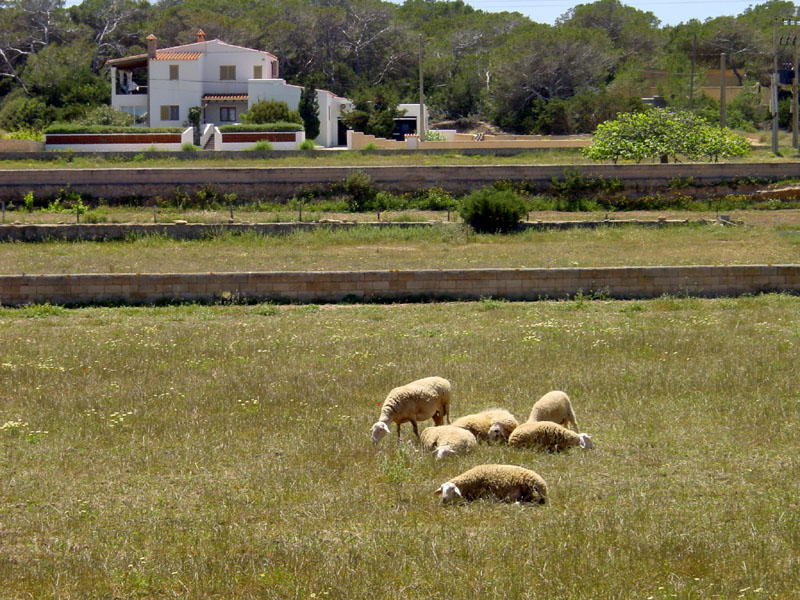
490	210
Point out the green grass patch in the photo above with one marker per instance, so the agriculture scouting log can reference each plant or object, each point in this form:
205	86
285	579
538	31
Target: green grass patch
432	247
209	451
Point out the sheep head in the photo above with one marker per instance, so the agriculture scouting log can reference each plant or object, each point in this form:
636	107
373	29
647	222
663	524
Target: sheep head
443	451
497	433
379	430
448	491
586	441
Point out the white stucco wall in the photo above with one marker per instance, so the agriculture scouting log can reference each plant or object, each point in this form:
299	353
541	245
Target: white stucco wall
184	92
330	105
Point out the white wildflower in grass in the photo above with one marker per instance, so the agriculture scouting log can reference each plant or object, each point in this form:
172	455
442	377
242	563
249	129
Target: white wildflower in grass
14	427
23	429
248	405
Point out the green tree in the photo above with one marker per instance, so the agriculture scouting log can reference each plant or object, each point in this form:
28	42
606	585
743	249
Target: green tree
659	133
545	62
373	114
309	111
106	115
633	32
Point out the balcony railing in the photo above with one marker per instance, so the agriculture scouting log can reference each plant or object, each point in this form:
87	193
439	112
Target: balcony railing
131	90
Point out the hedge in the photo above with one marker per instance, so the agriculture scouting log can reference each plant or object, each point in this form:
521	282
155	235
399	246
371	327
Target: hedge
72	128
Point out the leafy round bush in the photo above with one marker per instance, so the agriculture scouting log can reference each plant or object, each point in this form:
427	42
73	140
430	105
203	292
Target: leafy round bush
361	192
490	210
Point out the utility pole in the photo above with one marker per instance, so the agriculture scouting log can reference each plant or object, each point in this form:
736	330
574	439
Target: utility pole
723	117
691	79
774	91
421	126
794	88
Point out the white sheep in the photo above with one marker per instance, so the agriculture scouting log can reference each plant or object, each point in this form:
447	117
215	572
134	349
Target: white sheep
554	406
416	401
447	439
545	435
506	483
495	424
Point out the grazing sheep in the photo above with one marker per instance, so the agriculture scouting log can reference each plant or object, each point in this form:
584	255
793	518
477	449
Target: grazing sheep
447	439
495	424
556	407
506	483
546	435
416	401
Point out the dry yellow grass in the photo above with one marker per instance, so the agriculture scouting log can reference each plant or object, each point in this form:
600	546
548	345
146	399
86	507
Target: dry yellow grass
224	452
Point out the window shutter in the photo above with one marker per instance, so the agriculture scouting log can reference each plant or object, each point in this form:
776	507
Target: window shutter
258	72
165	113
173	72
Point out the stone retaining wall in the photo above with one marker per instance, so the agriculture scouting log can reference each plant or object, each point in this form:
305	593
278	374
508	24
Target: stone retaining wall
461	284
284	182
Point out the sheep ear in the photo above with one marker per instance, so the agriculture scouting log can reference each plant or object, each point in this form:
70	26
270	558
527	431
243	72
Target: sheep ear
439	491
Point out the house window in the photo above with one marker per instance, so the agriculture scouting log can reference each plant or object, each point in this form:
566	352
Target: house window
227	72
258	72
227	113
170	113
173	72
137	112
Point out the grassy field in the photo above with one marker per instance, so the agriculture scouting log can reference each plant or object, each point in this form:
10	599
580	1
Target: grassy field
338	157
223	451
769	237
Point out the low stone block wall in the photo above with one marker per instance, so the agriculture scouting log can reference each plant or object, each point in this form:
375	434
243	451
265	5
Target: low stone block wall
460	284
21	146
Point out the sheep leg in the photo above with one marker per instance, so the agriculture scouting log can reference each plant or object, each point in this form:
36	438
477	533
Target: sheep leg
414	427
398	432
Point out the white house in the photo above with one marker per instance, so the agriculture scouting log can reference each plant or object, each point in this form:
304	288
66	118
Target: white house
224	80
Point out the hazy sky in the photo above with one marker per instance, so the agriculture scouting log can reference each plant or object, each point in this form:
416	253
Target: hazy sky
669	13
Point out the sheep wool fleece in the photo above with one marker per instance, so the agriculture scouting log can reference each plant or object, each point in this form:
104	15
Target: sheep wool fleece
544	435
508	483
417	401
457	440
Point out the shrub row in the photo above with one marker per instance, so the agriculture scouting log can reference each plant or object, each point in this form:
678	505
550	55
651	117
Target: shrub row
75	128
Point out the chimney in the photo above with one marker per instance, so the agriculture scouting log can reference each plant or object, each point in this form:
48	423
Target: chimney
201	35
152	45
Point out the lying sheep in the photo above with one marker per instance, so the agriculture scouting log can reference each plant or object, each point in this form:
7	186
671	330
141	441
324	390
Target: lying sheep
416	401
545	435
495	424
506	483
556	407
447	439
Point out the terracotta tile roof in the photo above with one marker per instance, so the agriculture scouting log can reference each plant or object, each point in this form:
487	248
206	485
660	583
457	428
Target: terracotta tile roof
225	97
178	55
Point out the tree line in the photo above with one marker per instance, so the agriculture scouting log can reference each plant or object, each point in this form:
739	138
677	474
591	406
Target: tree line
503	68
